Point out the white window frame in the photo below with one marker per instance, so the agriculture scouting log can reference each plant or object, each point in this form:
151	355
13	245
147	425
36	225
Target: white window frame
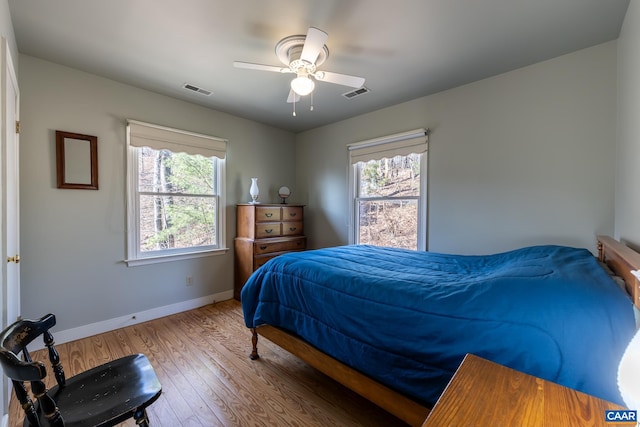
415	141
141	134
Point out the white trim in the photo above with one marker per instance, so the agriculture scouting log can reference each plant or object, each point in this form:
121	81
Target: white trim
353	207
400	144
134	256
403	143
133	239
174	257
423	205
133	319
10	294
411	134
140	134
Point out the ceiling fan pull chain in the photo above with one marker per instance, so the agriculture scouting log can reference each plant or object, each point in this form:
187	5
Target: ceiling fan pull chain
311	108
294	107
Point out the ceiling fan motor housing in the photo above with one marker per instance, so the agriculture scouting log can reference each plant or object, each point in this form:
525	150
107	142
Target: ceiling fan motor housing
289	50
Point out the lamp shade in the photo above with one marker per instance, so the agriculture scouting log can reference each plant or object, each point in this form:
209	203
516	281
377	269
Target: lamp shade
629	374
302	85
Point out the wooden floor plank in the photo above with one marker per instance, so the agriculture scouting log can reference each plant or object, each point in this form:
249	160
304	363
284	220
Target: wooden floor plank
202	360
233	374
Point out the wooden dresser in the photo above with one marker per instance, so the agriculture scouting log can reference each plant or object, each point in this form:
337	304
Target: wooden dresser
483	393
263	232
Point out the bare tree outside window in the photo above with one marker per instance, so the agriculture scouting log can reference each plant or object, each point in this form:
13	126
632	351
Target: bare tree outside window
387	201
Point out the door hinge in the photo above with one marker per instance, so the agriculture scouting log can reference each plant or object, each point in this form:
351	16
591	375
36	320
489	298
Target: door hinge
17	126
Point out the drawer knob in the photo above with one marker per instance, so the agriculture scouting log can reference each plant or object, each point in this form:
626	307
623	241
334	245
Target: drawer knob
263	247
269	231
292	214
293	228
268	215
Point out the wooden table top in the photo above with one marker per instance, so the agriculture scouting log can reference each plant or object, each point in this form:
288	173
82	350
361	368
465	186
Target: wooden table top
483	393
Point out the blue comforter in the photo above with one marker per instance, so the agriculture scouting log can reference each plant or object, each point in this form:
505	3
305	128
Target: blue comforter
407	318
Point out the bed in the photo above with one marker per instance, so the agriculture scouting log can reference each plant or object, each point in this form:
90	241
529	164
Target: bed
394	325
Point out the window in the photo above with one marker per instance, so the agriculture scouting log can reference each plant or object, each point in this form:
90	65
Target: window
388	189
175	200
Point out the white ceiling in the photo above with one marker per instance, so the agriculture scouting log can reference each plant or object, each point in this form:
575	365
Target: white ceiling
405	49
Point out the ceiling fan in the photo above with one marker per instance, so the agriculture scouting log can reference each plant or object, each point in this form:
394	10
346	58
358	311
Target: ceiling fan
302	55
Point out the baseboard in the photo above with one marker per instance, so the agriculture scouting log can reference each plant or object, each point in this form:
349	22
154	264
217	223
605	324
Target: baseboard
132	319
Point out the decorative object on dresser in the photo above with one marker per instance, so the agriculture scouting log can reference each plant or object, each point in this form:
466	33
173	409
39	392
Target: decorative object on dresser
254	191
284	192
265	231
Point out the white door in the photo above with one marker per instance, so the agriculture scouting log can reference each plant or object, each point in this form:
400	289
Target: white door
12	200
9	204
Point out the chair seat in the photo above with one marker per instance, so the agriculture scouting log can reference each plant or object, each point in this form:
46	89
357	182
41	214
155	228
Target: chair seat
108	394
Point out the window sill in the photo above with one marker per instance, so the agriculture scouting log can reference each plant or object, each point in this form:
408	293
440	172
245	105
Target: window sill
174	257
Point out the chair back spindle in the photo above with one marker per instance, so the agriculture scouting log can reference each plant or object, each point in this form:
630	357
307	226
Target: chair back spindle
54	358
47	404
26	403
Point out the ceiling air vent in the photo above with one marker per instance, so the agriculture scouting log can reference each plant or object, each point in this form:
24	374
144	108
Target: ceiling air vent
354	93
196	89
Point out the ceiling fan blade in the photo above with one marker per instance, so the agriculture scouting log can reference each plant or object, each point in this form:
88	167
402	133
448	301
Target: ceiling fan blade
313	44
341	79
293	97
261	67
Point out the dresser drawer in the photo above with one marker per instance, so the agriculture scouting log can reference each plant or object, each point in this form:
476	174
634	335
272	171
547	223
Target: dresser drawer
292	228
268	229
270	246
292	213
267	214
260	260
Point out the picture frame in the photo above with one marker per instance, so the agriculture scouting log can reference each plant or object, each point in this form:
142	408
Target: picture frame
76	161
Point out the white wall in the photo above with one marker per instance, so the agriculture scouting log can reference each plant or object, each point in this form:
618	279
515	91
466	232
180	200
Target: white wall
6	30
73	241
628	158
526	157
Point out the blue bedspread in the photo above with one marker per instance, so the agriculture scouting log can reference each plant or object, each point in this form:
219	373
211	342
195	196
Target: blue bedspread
407	318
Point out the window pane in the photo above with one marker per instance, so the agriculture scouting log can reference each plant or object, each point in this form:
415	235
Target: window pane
161	171
172	222
397	177
389	223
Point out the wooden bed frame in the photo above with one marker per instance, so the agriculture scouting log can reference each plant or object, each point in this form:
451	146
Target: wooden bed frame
619	257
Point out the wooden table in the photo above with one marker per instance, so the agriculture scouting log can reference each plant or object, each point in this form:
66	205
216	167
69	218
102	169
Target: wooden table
483	393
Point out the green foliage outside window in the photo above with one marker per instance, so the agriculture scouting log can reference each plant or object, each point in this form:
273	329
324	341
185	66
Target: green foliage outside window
177	200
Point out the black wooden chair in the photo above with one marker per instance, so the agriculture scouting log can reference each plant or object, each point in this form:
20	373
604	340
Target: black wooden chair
103	396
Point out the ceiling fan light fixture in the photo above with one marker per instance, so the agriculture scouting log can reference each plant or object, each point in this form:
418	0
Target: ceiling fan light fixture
302	85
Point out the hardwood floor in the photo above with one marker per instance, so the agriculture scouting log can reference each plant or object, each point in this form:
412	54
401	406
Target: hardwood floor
201	358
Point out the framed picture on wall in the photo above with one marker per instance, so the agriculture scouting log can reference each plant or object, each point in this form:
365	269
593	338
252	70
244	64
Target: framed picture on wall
77	161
